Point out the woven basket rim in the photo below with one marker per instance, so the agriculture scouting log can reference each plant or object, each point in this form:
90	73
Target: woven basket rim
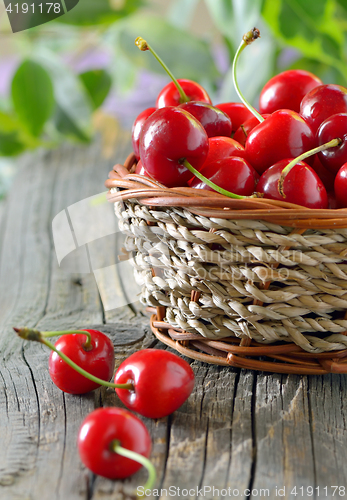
124	185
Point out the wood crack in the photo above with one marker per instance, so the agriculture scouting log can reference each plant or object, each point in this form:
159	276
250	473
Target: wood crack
254	438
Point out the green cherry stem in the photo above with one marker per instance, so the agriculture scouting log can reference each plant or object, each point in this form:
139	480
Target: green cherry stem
143	45
331	144
117	448
212	184
87	345
37	336
247	39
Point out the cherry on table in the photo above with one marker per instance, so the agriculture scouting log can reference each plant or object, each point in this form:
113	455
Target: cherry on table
286	90
162	381
102	431
97	359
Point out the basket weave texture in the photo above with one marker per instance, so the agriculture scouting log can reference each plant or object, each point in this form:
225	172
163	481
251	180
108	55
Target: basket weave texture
251	283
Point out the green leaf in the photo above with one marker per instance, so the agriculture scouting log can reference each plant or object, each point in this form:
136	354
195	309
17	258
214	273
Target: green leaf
91	12
66	126
185	54
98	83
72	100
32	95
10	144
312	27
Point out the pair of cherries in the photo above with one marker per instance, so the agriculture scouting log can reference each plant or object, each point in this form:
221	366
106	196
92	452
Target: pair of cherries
168	142
113	442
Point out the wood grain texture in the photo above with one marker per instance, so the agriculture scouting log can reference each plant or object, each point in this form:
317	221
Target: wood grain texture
239	431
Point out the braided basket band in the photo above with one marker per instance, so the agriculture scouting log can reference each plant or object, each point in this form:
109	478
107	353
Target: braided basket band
237	271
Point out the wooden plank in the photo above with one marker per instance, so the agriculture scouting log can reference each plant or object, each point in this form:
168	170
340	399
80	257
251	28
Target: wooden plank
237	430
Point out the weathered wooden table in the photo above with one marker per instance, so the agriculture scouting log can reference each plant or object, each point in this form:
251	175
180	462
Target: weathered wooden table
240	434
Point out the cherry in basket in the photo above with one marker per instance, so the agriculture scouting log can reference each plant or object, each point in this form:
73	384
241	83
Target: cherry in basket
177	91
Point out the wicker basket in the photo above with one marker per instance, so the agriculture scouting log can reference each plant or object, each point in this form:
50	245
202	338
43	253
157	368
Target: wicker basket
254	283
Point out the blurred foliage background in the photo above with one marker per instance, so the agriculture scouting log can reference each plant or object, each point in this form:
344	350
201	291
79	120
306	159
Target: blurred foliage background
69	78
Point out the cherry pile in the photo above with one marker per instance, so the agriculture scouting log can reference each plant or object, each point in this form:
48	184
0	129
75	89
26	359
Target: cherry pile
293	149
113	442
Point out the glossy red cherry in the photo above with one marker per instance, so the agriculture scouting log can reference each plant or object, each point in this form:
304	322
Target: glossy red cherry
322	102
301	186
245	128
140	170
286	90
97	434
214	121
237	112
333	127
162	382
284	134
98	360
340	186
137	127
234	174
325	175
169	95
222	147
169	136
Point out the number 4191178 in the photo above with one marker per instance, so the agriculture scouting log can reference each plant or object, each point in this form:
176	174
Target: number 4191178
43	8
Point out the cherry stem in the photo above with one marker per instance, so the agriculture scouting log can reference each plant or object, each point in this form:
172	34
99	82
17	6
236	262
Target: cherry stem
152	475
87	345
331	144
212	184
143	45
247	39
36	336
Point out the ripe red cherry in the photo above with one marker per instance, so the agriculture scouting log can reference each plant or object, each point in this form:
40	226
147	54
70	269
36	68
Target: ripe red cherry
100	429
245	128
137	127
169	95
222	147
333	127
284	134
301	186
322	102
162	382
214	121
286	90
237	112
169	136
140	170
233	174
340	186
98	360
325	175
